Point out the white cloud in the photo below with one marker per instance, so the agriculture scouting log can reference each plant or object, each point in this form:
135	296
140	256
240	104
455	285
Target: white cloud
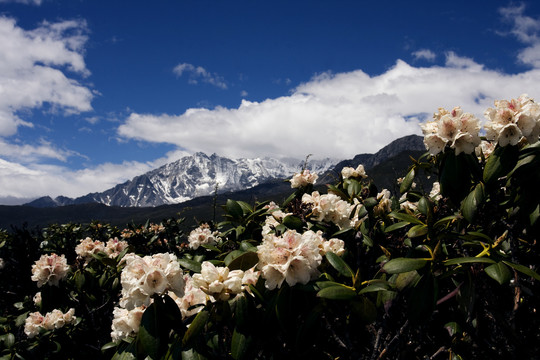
33	67
198	73
424	54
335	115
26	153
525	29
33	2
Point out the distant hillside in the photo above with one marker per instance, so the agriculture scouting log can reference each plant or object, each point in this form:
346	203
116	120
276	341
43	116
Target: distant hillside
384	174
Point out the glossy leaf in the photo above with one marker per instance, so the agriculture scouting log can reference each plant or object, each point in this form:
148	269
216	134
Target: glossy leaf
195	328
339	264
468	260
401	265
523	269
499	272
469	206
417	230
239	345
337	293
500	162
407	181
234	209
405	217
189	264
244	262
396	226
293	222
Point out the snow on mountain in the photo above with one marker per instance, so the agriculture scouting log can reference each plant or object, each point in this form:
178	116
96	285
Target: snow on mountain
190	177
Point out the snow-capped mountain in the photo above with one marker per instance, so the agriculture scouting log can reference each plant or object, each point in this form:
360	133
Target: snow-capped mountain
190	177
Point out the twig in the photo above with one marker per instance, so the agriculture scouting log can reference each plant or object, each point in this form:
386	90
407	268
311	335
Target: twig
376	345
441	349
394	339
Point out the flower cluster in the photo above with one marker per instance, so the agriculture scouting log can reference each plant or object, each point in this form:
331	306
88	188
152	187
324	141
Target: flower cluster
274	219
294	257
203	236
455	128
385	203
303	179
143	277
50	269
512	120
52	320
330	207
150	229
349	172
193	300
126	322
222	283
88	247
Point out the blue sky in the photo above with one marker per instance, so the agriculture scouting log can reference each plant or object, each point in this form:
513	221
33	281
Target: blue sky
95	92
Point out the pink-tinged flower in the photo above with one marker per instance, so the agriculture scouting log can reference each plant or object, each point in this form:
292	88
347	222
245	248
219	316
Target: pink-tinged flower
193	300
512	120
114	247
292	257
454	128
218	282
303	179
203	236
55	319
349	172
50	269
126	323
330	207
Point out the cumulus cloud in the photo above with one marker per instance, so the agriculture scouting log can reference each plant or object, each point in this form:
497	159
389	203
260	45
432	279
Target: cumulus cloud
424	54
525	29
33	67
198	73
25	153
335	115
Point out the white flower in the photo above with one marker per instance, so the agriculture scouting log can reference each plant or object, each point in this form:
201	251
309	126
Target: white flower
50	321
512	120
330	207
349	172
193	300
455	128
2	263
87	247
292	257
219	282
486	148
126	323
203	236
303	179
114	247
143	277
50	269
385	203
37	298
435	193
337	246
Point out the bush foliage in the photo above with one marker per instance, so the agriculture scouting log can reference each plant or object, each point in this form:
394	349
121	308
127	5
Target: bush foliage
449	272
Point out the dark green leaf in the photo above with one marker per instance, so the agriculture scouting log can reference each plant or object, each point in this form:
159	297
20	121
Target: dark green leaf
469	206
523	269
244	262
453	328
234	209
424	205
407	181
339	264
396	226
374	288
401	265
405	217
353	187
417	230
364	310
195	328
337	293
149	340
499	272
293	222
231	256
370	202
468	260
500	162
192	265
239	345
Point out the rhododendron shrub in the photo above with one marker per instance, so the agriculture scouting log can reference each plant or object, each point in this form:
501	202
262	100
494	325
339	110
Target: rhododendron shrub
444	270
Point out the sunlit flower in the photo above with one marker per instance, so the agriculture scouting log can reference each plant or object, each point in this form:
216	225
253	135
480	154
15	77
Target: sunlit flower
55	319
385	203
349	172
37	298
330	207
126	323
454	128
2	263
485	148
292	257
50	269
219	282
337	246
114	247
303	179
193	300
203	236
435	192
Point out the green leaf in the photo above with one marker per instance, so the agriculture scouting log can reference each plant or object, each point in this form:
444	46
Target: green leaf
353	187
523	269
234	209
324	284
364	310
468	260
405	279
231	256
401	265
189	264
337	293
293	222
370	202
149	339
195	328
501	161
407	181
192	354
244	262
405	217
417	230
396	226
469	206
339	264
424	205
499	272
374	288
453	328
239	345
